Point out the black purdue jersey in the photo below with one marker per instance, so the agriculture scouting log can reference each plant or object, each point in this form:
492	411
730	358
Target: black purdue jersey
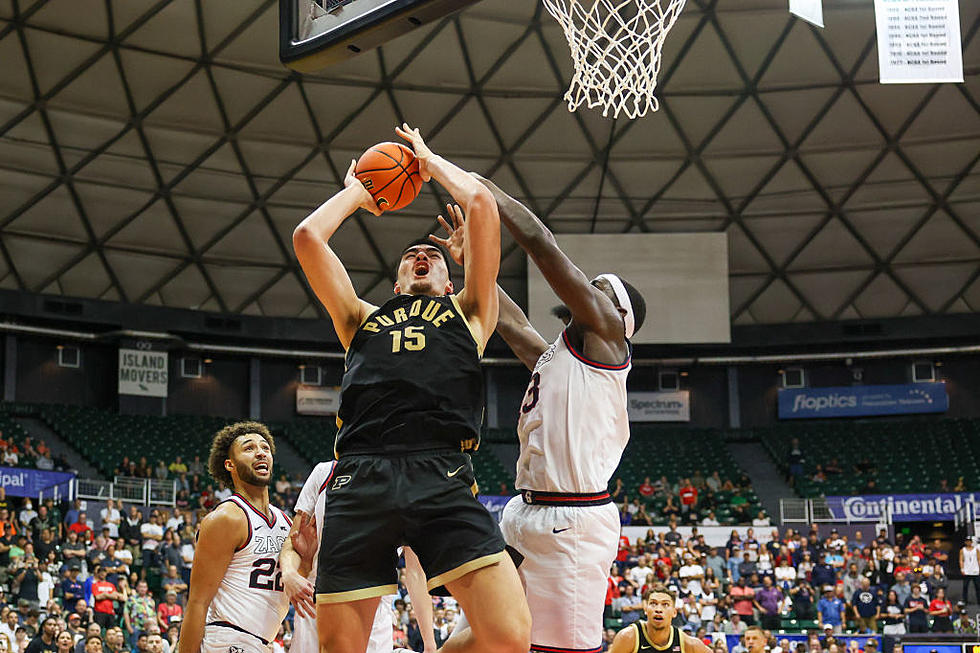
412	380
675	644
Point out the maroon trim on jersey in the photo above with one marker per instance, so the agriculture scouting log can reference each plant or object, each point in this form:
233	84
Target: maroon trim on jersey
288	520
268	523
557	649
326	481
247	521
592	363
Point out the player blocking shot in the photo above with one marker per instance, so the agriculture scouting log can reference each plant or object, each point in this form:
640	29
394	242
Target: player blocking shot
573	427
411	408
236	600
298	582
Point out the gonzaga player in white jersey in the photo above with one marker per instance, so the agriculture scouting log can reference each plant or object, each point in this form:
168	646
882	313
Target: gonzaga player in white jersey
236	601
299	587
573	428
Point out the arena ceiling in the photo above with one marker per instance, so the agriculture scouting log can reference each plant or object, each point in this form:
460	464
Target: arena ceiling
155	151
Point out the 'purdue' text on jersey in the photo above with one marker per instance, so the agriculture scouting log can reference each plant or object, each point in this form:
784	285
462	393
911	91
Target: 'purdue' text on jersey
412	380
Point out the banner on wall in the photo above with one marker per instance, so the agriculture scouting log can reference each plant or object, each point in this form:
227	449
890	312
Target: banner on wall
22	482
317	401
901	507
863	400
919	41
143	372
660	406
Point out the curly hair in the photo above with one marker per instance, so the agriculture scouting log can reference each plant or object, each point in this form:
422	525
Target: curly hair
221	447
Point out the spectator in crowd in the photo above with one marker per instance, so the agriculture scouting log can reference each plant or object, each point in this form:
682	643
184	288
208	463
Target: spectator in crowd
802	596
768	601
830	609
173	582
970	568
629	605
45	640
152	534
111	517
965	625
104	593
646	489
140	611
917	610
169	611
941	611
160	472
688	495
177	467
866	608
65	642
892	615
743	600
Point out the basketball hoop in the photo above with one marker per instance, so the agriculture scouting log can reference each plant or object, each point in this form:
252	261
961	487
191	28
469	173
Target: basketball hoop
615	47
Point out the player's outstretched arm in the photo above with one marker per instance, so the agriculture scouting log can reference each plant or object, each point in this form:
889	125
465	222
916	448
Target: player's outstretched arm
295	568
419	596
221	532
512	325
589	306
323	268
482	245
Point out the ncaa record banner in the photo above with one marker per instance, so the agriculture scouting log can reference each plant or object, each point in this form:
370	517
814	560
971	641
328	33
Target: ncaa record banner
142	373
659	406
317	401
22	482
901	507
863	400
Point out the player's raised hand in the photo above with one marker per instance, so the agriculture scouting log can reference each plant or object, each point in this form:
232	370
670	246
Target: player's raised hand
456	234
365	201
422	151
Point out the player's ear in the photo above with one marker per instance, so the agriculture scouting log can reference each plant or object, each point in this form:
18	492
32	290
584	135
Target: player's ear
449	287
397	289
229	465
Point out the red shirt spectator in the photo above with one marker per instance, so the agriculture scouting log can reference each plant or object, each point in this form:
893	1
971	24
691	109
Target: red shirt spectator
169	609
624	548
100	589
689	495
646	488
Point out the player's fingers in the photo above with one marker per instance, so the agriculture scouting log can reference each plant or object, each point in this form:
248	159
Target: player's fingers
437	239
350	170
457	215
445	225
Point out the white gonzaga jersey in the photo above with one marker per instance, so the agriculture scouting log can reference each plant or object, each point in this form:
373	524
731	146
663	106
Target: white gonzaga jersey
312	500
573	425
250	597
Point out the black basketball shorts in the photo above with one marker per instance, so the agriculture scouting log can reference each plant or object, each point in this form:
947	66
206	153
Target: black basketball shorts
376	503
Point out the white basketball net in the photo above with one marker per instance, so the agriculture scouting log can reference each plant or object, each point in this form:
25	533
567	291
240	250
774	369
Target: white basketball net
615	46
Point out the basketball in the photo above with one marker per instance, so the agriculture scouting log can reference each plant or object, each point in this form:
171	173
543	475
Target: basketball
390	172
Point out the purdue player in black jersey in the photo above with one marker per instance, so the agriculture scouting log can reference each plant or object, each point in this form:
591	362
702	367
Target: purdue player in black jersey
656	634
411	406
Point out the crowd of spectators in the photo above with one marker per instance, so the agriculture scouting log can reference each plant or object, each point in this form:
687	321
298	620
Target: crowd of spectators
698	499
28	453
826	581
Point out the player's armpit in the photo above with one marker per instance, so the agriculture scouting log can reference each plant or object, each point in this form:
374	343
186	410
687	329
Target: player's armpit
220	535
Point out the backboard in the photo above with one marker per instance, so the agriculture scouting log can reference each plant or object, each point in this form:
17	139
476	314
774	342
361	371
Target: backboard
314	34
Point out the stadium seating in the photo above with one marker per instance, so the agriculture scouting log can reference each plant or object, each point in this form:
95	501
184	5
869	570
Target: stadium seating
909	455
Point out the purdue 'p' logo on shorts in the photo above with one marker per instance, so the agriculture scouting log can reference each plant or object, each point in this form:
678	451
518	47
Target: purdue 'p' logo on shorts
340	482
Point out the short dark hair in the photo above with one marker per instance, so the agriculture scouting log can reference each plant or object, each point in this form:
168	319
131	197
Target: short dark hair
221	447
658	588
